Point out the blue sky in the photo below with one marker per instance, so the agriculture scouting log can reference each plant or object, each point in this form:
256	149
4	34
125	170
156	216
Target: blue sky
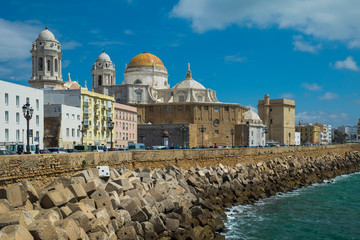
303	50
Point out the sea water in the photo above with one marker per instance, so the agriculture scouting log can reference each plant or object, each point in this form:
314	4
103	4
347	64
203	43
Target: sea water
330	210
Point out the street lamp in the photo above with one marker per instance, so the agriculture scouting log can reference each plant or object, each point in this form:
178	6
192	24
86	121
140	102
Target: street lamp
182	130
232	132
111	127
202	130
28	112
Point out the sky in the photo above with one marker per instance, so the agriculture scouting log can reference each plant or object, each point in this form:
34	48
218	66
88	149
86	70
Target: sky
307	51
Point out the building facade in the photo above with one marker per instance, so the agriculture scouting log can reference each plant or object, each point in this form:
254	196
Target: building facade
329	134
297	138
358	131
279	118
125	125
13	125
350	131
97	110
62	126
323	132
251	132
309	134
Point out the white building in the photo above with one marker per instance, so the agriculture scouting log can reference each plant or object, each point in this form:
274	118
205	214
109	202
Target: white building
350	131
329	134
13	125
251	132
62	126
297	138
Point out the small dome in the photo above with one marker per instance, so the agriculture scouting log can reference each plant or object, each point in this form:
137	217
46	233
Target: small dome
103	57
189	83
46	35
250	115
145	59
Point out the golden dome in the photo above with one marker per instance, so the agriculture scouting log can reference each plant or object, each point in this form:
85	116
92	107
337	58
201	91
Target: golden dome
145	59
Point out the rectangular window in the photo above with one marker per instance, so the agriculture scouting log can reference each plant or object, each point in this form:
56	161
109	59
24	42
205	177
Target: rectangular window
216	108
67	116
17	118
18	135
27	100
37	136
6	117
216	131
37	104
37	120
78	117
78	133
17	101
138	119
73	116
200	98
169	108
181	98
6	99
6	134
67	132
73	132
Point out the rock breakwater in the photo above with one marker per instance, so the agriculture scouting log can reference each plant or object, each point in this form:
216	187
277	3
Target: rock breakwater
168	203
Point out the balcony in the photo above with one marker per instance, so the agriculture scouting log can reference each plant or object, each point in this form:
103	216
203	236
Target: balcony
96	115
86	115
96	105
86	103
103	106
96	126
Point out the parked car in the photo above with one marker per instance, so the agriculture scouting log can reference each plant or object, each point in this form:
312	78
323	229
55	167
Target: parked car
72	150
44	151
97	148
5	152
83	148
175	147
136	146
56	150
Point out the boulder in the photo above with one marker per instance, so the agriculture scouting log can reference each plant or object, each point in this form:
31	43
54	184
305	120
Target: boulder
17	232
42	229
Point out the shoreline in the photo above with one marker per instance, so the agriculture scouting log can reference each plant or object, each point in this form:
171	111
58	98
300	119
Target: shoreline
167	203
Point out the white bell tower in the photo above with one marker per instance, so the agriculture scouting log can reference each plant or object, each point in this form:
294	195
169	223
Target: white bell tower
103	71
46	62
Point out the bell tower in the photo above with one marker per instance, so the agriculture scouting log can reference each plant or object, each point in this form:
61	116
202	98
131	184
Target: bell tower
103	71
46	62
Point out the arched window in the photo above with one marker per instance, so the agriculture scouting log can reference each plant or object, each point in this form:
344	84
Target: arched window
56	65
99	80
41	64
111	82
137	81
48	65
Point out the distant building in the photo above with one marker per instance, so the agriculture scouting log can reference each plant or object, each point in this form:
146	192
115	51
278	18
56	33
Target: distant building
96	112
350	131
62	125
309	134
329	134
323	133
358	131
251	131
279	118
13	125
125	125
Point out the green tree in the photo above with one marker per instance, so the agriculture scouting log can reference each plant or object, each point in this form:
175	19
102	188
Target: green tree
339	137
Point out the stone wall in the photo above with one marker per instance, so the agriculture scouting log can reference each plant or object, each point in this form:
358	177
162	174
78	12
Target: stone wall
43	168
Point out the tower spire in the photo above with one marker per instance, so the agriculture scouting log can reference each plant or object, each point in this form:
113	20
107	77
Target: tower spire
188	72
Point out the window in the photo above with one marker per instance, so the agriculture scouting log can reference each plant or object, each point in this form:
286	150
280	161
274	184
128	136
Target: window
37	136
216	122
73	132
126	136
216	108
252	133
78	117
200	98
78	133
137	81
126	126
182	98
138	119
37	104
17	101
73	116
48	65
41	64
17	118
6	99
18	135
271	121
123	126
28	100
99	80
216	131
67	132
138	96
56	65
6	116
6	134
169	108
37	120
67	116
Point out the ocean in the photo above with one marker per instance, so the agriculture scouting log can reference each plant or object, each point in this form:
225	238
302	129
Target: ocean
330	210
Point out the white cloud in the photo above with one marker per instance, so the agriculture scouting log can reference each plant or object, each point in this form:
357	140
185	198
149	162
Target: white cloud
65	63
235	58
348	63
325	19
329	96
128	32
105	43
321	116
287	95
70	45
311	87
302	46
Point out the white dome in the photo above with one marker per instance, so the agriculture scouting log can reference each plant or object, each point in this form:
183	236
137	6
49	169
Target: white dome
46	35
189	83
250	115
103	57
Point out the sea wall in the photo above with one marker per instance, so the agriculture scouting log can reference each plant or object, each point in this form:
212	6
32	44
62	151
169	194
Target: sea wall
44	168
160	203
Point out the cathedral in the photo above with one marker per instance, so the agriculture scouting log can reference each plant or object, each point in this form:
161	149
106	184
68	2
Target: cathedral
187	114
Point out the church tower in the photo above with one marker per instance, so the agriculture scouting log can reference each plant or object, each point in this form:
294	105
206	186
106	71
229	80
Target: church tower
103	71
46	62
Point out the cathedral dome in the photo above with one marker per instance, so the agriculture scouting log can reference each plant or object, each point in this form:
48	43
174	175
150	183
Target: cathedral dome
250	116
189	83
46	35
146	59
103	57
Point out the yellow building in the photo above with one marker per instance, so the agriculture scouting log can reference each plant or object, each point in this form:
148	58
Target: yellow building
309	134
279	118
97	111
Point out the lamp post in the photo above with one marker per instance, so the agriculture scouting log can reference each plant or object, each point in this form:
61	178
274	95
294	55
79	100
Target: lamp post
202	130
182	130
28	112
232	132
111	127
